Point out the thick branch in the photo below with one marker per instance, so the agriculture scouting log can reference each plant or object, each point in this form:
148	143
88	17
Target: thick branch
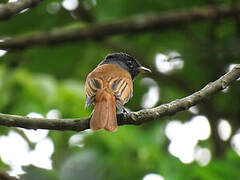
135	118
132	25
10	9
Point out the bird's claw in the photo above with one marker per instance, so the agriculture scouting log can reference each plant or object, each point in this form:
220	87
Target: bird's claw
125	112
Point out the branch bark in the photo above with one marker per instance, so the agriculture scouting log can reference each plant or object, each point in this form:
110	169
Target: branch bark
134	118
141	23
10	9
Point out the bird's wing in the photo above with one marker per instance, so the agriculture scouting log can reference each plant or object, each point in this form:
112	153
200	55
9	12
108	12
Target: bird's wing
123	90
112	78
92	85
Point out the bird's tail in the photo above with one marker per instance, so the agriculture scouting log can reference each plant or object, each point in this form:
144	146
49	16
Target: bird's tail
104	114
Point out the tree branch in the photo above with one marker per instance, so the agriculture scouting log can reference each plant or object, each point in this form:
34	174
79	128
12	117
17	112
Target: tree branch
135	118
10	9
141	23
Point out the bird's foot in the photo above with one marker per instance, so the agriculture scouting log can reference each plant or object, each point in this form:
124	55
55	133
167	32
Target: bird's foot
125	112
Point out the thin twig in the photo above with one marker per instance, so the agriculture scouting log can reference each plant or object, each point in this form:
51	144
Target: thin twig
10	9
135	118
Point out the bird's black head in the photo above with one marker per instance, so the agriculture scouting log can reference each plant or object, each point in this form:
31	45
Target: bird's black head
126	62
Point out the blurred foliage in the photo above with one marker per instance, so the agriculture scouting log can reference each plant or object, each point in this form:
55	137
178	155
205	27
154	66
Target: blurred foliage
38	174
39	79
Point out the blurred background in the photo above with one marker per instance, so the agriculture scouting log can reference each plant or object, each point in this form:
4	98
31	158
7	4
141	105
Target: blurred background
47	81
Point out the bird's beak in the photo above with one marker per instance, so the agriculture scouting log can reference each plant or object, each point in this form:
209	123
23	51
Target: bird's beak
144	70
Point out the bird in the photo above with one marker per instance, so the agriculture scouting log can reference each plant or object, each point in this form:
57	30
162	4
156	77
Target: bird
109	86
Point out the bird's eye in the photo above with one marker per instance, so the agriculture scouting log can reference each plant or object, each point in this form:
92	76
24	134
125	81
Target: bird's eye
130	64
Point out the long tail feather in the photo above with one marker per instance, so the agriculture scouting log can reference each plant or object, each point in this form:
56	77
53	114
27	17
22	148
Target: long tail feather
111	118
104	114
